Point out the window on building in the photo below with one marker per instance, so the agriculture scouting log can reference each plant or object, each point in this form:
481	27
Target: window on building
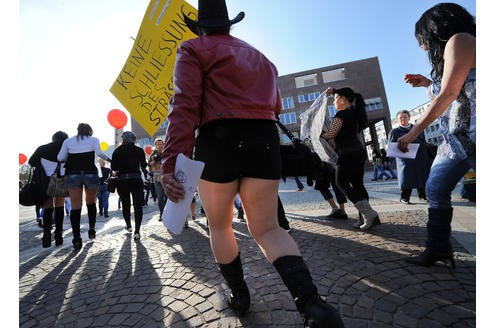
306	80
308	97
287	103
367	135
334	75
288	118
373	104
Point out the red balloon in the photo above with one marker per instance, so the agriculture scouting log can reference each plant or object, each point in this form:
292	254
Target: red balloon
148	150
117	118
22	158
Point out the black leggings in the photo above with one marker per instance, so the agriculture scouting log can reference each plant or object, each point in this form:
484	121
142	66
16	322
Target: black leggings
350	173
126	188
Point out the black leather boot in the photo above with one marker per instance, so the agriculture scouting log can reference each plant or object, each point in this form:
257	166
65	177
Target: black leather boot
75	222
59	225
296	277
438	247
92	220
234	276
46	240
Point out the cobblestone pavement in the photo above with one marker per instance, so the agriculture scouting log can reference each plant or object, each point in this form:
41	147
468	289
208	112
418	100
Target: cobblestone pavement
171	281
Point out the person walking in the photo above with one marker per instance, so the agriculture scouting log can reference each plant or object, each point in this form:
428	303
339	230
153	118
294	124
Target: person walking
325	178
45	158
378	165
128	161
348	122
413	172
387	163
239	143
103	193
78	153
155	162
447	32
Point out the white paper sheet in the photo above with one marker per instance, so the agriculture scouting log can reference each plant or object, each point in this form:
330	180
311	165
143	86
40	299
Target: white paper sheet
187	172
394	151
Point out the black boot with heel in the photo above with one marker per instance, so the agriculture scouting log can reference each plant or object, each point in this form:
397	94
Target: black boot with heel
240	299
59	225
75	222
297	278
438	247
92	220
46	240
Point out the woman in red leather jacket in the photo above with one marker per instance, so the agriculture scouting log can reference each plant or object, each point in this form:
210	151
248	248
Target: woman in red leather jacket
228	91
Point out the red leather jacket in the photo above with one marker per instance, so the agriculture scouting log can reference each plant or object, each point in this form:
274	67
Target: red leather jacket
217	77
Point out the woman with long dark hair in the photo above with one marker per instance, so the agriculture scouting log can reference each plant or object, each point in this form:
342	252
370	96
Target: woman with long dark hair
78	153
447	32
45	158
349	121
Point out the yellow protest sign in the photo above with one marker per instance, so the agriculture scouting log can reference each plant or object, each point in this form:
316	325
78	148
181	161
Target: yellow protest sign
145	83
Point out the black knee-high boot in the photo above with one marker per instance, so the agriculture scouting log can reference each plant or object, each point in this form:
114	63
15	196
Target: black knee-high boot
59	225
438	245
233	274
296	277
46	241
92	220
75	222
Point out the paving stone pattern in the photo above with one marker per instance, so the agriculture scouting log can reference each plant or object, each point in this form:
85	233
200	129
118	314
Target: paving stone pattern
165	280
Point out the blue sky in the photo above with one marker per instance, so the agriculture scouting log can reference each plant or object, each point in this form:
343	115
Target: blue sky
70	52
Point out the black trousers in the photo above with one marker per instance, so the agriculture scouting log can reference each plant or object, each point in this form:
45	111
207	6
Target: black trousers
135	188
405	193
350	174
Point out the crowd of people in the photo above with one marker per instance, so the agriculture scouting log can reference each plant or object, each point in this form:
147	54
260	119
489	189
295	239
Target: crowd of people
234	133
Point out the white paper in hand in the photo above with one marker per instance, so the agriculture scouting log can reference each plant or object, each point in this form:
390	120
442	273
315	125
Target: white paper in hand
394	151
187	172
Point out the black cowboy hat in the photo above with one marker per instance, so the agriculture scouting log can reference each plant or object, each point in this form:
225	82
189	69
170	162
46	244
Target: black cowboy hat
211	13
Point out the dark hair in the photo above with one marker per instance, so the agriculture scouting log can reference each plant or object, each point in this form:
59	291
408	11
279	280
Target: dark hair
84	130
59	137
436	26
357	101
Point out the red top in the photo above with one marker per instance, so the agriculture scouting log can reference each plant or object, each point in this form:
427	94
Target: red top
217	77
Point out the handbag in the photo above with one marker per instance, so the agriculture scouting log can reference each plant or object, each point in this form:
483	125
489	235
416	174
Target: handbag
298	159
57	187
111	183
31	193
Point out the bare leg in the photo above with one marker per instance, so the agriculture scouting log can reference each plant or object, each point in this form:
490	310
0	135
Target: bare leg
332	203
259	199
217	200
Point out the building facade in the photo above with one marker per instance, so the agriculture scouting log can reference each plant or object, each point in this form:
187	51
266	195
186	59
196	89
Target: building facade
299	90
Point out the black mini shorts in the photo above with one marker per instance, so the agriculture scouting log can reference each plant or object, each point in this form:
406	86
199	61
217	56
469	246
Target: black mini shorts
236	148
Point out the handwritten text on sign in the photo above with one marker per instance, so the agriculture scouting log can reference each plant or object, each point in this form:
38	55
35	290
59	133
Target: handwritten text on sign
145	83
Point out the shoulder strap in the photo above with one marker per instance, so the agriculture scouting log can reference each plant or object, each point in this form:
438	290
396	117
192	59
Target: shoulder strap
289	134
